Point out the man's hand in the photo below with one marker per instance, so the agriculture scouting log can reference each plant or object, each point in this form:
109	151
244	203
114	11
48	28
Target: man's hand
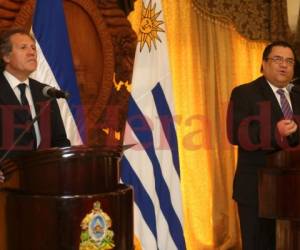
286	127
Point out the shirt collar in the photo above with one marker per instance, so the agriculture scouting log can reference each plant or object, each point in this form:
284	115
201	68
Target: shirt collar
274	88
13	81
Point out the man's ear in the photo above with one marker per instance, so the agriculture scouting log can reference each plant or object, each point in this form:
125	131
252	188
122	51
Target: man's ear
6	58
262	66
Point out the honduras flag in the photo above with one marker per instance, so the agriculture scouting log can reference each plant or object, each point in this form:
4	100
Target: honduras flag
152	165
55	65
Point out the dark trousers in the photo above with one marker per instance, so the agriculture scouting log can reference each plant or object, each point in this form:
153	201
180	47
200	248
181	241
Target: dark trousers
257	233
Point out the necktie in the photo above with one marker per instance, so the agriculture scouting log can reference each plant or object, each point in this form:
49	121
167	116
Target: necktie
30	135
285	106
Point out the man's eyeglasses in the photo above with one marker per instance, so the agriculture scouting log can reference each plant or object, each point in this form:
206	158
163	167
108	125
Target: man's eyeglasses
280	60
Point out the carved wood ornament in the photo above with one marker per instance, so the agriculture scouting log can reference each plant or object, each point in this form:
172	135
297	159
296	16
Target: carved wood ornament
103	48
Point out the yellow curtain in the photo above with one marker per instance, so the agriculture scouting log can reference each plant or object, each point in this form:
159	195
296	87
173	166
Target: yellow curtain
208	58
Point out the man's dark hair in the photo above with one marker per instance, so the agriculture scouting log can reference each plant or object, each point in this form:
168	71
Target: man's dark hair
269	48
5	43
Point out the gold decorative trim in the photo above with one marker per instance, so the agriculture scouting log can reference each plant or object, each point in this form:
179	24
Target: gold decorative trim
222	19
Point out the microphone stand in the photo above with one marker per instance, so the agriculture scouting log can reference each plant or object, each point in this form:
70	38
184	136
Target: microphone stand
10	167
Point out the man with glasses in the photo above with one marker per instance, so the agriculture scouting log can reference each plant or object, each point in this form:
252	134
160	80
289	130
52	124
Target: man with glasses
261	119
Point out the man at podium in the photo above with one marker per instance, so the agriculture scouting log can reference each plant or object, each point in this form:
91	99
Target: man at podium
261	119
22	99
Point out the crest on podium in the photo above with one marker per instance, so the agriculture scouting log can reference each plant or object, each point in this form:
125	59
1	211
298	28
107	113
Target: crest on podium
95	230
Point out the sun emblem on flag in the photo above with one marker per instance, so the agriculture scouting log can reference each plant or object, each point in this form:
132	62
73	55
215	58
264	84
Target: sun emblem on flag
150	26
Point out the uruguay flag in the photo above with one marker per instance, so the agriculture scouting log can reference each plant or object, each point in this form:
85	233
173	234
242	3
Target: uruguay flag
55	65
152	165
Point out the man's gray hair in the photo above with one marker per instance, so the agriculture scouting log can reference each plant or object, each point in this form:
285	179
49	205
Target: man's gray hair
5	43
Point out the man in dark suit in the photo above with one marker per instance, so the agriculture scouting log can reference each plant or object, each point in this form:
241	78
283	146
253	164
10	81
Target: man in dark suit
22	98
261	119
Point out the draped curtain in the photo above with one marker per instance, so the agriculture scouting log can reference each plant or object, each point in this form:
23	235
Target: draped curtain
254	19
208	57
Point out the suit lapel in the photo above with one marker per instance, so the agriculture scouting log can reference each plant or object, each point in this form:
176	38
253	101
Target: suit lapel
7	95
295	100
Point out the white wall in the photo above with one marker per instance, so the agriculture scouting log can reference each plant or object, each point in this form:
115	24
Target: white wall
293	13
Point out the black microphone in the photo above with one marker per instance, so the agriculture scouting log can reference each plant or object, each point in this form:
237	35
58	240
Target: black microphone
51	92
293	88
48	91
9	167
295	79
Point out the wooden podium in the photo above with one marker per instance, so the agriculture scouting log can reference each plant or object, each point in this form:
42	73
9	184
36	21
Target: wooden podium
69	199
279	193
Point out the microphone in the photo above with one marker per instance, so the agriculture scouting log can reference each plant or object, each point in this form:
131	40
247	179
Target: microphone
10	167
293	88
295	79
51	92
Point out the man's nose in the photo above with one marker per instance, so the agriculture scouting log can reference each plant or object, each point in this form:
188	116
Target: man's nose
31	51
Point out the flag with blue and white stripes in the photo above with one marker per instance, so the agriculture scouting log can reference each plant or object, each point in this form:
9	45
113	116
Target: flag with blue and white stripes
55	65
152	165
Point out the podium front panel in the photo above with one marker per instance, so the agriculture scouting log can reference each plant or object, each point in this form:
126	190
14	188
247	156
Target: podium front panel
69	171
58	222
279	193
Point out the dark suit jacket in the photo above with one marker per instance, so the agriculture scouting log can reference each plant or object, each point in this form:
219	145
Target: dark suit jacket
51	127
251	124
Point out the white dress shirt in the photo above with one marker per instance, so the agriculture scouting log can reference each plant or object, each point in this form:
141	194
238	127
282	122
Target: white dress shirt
286	93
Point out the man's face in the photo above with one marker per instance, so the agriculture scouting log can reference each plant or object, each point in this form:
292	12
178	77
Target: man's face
279	67
22	60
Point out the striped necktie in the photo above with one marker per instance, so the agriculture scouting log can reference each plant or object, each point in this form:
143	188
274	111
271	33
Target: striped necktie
285	106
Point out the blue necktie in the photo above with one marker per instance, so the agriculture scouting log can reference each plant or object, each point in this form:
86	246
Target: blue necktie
285	106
